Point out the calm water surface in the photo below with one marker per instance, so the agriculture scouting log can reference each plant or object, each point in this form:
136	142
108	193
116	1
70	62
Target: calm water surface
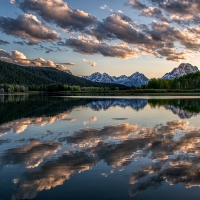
99	148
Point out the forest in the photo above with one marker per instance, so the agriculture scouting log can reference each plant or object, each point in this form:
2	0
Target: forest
187	82
13	77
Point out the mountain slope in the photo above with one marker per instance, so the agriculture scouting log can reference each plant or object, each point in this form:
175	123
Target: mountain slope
183	69
137	79
15	74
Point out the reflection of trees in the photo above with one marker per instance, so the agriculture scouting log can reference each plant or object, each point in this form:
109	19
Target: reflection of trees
38	105
186	106
16	107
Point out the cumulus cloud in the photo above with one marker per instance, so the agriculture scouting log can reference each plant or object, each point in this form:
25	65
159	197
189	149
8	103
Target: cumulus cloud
178	11
105	7
136	4
20	59
3	53
90	46
93	64
58	12
27	26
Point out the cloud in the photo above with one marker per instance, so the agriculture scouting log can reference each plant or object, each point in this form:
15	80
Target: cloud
178	11
105	7
3	53
154	12
27	26
70	64
136	4
90	46
19	43
171	54
58	12
2	42
20	59
93	64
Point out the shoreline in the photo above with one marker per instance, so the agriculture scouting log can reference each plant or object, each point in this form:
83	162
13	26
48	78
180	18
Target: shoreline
111	93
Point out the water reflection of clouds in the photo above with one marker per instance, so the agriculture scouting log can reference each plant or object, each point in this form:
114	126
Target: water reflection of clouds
30	155
92	119
53	173
175	160
18	126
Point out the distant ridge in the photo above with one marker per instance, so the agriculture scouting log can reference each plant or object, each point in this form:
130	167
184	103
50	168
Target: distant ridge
183	69
25	75
136	79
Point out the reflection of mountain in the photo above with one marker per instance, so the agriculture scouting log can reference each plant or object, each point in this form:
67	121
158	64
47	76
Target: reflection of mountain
174	148
183	114
135	104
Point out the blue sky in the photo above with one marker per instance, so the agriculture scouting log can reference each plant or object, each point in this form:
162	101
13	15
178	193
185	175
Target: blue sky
112	36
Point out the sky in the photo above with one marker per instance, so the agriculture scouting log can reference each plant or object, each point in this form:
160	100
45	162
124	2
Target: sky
118	37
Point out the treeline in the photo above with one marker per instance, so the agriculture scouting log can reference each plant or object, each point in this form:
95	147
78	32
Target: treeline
187	82
13	88
191	105
51	88
64	87
13	107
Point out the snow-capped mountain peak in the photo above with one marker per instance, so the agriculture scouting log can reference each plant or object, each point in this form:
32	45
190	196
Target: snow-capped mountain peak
137	79
183	69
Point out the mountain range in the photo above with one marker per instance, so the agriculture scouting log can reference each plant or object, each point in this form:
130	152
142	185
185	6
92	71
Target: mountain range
137	79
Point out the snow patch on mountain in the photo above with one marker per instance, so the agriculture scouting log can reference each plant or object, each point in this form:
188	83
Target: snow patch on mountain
183	69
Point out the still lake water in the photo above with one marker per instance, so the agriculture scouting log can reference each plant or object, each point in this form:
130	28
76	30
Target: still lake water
99	148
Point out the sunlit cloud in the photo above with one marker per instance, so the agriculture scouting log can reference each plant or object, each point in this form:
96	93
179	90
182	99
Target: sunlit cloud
58	12
20	59
27	26
93	64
